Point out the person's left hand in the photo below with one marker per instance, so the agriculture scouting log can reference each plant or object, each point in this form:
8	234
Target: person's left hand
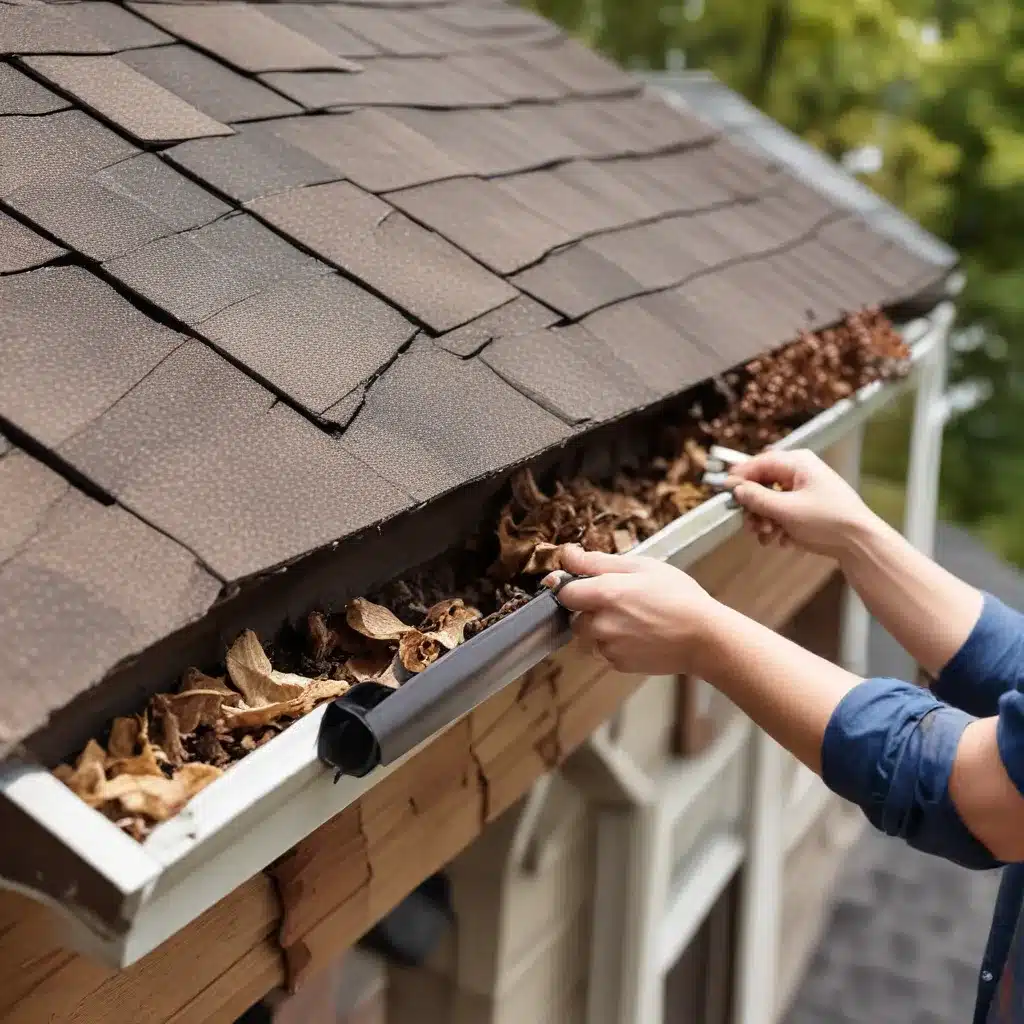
640	614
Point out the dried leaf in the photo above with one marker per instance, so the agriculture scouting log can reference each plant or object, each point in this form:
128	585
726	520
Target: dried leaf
157	798
526	492
195	708
209	748
446	621
251	672
515	549
143	763
321	637
196	777
544	558
193	680
318	690
252	718
374	620
168	732
417	650
92	754
124	735
88	775
623	540
369	666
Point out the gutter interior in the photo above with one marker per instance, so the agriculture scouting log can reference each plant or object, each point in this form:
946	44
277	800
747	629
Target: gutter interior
457	532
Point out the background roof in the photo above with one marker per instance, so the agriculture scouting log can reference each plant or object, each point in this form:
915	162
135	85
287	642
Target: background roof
274	273
744	123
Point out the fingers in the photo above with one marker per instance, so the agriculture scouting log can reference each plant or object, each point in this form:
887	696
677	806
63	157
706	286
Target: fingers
595	563
589	595
760	501
770	468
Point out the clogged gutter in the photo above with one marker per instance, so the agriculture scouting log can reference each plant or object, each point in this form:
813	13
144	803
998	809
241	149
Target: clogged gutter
151	764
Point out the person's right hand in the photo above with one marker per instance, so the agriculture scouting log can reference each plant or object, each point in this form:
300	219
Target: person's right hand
815	509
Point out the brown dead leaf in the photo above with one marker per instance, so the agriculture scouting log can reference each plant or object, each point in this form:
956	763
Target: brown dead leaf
515	548
321	637
253	718
88	775
124	735
697	455
317	691
526	492
193	680
168	734
544	558
374	620
447	621
624	541
320	690
143	763
157	798
209	748
368	666
251	672
417	650
196	777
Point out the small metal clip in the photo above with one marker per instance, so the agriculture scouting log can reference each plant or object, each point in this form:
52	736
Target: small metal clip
716	470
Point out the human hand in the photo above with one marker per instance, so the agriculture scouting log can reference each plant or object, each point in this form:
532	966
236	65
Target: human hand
815	508
640	614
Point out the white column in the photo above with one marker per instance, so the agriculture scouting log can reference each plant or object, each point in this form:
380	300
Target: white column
926	440
757	953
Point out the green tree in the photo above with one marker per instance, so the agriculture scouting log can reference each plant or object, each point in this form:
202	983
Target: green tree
938	87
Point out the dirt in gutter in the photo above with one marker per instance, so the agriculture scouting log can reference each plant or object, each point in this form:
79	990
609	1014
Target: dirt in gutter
147	766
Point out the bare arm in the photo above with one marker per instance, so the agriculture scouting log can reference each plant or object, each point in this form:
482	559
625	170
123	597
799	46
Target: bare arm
793	694
926	609
646	617
789	692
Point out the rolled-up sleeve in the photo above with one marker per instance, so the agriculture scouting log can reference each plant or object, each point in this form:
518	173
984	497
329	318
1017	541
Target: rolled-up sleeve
889	748
990	663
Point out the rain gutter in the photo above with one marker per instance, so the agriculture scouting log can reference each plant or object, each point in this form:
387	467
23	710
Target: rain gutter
121	898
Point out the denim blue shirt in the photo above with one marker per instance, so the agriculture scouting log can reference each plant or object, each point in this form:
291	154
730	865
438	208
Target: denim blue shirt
889	748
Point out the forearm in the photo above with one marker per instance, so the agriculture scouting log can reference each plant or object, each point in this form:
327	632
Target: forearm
889	747
926	609
786	690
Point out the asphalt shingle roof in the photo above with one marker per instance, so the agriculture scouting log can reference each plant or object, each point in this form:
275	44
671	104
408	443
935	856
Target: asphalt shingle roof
274	273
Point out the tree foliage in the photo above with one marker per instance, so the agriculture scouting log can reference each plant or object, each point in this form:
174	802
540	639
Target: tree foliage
938	87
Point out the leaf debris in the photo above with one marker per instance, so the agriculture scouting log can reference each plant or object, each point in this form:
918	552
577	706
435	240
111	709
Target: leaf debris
154	762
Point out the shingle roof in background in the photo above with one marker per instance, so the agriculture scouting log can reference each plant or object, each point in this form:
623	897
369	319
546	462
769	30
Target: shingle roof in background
313	264
743	122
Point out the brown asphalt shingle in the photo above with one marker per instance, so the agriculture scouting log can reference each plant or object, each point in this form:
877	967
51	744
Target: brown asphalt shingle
119	94
355	256
82	586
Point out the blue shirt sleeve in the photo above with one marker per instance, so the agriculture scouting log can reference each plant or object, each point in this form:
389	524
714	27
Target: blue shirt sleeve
990	663
889	747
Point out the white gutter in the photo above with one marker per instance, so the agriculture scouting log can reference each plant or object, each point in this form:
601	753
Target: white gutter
280	793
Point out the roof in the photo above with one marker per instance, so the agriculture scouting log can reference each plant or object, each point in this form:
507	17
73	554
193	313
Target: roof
279	274
742	122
